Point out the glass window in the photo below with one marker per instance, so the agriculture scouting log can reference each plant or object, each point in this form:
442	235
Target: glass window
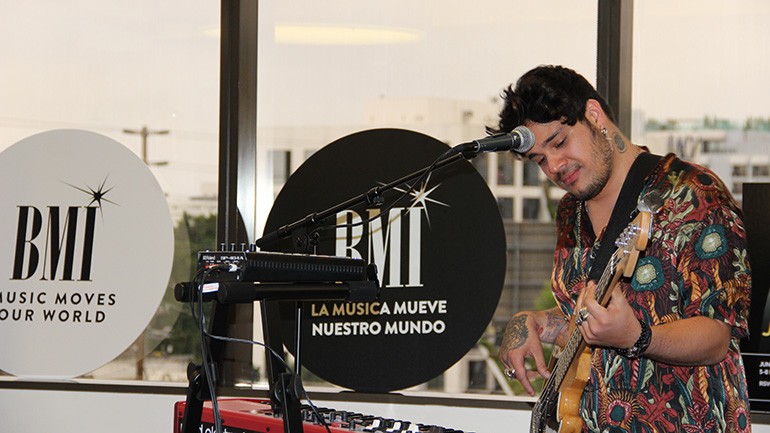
506	207
322	75
481	162
280	164
477	375
531	209
531	173
504	170
325	74
676	89
146	75
760	170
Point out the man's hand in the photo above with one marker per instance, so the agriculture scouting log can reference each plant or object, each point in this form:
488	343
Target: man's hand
613	326
697	340
521	341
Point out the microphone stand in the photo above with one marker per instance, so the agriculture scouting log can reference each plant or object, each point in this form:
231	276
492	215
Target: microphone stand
298	229
285	389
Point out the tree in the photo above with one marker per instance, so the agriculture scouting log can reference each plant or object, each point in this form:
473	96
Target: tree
174	320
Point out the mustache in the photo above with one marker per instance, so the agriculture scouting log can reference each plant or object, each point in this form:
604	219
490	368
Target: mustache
569	169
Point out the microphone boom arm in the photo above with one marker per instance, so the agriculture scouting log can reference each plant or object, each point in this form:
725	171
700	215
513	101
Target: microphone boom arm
371	197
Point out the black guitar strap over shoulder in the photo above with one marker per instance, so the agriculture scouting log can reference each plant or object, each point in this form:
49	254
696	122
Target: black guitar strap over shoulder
624	207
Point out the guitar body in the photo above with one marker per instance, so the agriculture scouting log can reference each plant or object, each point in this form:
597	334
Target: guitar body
568	410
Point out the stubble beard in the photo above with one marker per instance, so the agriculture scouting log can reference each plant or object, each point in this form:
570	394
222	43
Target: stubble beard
601	154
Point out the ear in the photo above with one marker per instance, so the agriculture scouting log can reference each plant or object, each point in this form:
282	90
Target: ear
595	113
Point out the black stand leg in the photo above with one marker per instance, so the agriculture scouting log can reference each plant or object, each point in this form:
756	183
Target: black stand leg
197	388
193	407
285	388
289	392
272	334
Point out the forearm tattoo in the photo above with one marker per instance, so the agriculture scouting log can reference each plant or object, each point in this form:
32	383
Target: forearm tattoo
516	331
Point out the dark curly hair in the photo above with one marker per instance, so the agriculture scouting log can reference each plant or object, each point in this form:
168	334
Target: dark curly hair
545	94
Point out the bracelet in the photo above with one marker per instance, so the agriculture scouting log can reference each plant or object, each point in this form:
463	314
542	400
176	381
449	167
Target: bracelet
641	344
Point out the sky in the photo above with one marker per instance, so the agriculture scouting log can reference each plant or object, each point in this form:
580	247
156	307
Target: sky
702	57
691	58
107	66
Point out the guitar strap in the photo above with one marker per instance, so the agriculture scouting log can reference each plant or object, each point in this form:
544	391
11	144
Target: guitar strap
623	210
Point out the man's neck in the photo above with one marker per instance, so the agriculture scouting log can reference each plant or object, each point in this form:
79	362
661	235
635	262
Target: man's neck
600	207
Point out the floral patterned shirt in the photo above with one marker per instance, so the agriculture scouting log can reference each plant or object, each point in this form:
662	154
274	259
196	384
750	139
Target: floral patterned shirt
694	264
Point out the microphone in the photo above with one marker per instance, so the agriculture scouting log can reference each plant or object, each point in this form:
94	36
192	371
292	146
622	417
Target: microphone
520	140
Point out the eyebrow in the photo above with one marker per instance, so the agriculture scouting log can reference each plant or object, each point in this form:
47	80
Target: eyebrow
549	139
546	141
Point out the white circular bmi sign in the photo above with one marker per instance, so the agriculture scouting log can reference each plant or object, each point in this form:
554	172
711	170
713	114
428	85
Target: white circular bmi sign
86	248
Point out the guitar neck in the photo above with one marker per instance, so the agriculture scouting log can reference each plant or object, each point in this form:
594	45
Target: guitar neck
632	240
574	347
576	344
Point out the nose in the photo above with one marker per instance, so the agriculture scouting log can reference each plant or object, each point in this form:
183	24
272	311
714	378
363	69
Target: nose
555	163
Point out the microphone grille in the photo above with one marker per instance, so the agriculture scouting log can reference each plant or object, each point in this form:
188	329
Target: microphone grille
526	139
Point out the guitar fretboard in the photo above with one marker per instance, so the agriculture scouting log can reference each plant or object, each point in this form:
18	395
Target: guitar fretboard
546	404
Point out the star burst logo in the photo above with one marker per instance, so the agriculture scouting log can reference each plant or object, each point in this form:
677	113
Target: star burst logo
97	195
420	197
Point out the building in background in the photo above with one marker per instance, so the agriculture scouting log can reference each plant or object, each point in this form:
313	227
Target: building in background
736	155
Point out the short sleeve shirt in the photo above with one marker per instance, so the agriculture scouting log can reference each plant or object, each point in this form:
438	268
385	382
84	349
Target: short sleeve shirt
695	264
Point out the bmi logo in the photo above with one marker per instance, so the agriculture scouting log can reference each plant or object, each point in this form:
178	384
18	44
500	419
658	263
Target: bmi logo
64	227
396	246
58	243
82	278
439	251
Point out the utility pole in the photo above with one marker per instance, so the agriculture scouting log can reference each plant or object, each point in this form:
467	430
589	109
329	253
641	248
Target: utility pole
144	133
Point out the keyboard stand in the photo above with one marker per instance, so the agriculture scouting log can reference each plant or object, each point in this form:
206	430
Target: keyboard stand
286	389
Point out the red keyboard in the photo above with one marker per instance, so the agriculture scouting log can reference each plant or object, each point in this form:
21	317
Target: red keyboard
256	416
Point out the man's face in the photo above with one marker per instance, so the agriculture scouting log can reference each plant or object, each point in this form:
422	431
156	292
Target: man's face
576	158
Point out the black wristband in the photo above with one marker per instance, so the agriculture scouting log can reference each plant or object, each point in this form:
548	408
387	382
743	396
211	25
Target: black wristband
641	344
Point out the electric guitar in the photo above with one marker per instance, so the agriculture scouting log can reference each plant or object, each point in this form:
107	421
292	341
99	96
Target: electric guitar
559	403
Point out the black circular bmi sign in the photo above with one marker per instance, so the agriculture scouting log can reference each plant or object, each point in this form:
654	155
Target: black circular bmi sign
440	255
